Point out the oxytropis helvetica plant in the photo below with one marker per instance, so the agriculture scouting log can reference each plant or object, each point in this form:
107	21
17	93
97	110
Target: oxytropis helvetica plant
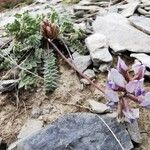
123	87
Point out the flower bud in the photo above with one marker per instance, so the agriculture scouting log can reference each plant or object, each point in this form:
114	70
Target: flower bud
49	30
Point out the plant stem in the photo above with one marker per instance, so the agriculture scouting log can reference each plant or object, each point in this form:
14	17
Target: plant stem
74	67
133	98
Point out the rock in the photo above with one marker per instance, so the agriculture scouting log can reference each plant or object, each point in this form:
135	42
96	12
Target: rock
120	34
134	132
130	9
104	67
79	131
40	1
80	61
143	58
36	112
4	40
140	22
85	81
93	2
90	73
98	107
145	1
79	14
142	11
79	26
98	95
86	8
30	127
98	47
8	85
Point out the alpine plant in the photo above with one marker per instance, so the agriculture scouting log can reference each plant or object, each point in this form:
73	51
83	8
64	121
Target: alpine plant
122	87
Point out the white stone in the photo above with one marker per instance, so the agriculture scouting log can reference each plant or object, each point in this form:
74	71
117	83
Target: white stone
143	58
98	107
85	81
104	67
140	22
90	73
130	9
98	47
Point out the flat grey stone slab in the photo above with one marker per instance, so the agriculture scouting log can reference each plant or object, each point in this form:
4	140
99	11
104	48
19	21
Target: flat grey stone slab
79	131
140	22
120	34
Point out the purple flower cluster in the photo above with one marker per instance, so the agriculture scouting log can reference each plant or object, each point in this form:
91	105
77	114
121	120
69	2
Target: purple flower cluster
122	87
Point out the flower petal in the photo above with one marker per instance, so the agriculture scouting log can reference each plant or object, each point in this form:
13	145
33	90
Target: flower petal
116	77
135	87
112	85
112	97
146	101
121	66
131	115
139	70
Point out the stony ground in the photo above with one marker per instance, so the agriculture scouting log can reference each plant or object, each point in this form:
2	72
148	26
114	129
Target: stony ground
70	96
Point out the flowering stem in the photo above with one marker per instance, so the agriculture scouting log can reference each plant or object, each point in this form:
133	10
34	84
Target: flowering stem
74	67
133	98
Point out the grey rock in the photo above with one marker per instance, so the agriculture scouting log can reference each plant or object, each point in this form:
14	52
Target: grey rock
140	22
130	9
120	34
36	112
93	2
113	9
145	1
143	58
40	1
80	61
86	8
79	14
144	12
134	132
8	85
31	126
98	47
90	73
85	81
104	67
79	131
79	26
